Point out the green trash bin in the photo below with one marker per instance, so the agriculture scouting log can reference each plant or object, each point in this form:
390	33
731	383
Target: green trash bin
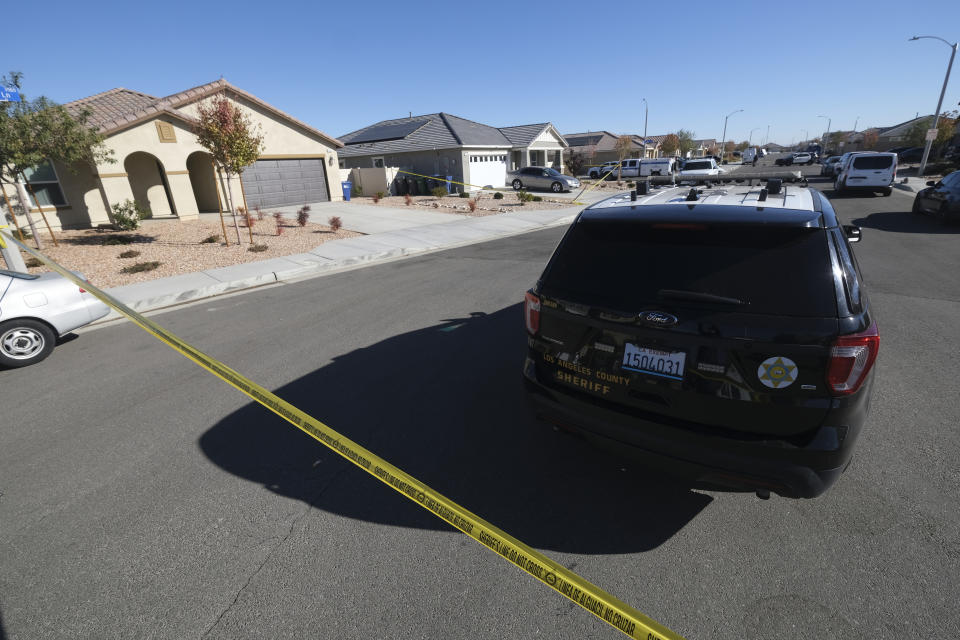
421	187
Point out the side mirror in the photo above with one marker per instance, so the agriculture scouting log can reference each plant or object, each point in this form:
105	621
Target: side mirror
931	183
852	232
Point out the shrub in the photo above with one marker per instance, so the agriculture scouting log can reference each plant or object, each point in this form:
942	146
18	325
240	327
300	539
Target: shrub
278	218
260	214
524	197
128	214
472	204
358	191
379	195
129	254
538	198
115	240
438	192
335	223
211	239
257	248
376	197
33	262
631	184
407	199
464	194
498	196
247	217
303	215
141	266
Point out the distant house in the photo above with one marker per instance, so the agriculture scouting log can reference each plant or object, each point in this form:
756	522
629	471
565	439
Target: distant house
441	144
896	136
160	164
702	147
601	146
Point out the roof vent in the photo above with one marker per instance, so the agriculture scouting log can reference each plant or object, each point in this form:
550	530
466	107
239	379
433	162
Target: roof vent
692	196
763	195
774	184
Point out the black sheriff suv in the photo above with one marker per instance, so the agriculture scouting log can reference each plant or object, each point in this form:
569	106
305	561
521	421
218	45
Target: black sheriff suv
720	329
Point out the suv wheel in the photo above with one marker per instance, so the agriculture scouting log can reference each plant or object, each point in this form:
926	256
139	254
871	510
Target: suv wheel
25	342
517	185
838	186
556	187
887	191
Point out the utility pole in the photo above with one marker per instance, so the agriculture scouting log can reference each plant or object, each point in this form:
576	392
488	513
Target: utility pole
646	112
766	138
823	143
936	116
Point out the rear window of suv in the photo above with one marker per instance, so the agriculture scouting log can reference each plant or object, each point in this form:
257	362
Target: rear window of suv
698	165
625	266
872	162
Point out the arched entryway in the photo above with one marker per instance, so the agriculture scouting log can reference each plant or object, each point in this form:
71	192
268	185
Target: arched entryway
148	181
203	181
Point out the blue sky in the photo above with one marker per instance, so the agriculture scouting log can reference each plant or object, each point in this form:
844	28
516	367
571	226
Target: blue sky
583	66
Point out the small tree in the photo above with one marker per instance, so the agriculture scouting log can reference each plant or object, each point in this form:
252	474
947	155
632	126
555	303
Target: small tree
38	131
917	134
575	162
622	147
685	141
946	129
742	145
870	139
670	145
230	137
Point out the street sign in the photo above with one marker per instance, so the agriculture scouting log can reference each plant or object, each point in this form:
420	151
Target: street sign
931	135
9	94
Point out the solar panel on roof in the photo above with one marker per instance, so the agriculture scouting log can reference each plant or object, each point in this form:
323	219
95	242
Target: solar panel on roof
383	132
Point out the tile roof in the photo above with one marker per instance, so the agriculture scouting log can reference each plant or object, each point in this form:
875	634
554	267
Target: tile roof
438	131
904	127
118	109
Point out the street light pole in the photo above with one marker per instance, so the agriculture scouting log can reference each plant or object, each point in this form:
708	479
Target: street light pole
646	112
766	138
823	143
723	148
946	79
750	137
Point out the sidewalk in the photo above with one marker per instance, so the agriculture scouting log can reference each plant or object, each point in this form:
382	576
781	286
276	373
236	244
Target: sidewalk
392	233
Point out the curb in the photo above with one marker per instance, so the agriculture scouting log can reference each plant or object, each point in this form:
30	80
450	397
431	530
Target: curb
191	287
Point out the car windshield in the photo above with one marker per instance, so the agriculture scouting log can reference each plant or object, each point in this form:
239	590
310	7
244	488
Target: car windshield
698	165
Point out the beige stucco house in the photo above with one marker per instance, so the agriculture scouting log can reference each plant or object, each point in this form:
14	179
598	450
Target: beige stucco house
160	164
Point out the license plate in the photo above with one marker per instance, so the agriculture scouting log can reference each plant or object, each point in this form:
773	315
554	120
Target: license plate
666	364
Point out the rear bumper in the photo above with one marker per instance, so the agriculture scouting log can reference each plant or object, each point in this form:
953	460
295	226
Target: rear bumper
750	463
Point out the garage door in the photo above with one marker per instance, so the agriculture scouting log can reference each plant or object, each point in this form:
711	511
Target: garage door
488	170
285	182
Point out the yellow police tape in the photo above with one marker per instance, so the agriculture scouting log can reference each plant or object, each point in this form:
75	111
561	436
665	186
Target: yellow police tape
554	575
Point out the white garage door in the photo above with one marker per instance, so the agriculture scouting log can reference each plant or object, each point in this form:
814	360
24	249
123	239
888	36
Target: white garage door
285	181
488	170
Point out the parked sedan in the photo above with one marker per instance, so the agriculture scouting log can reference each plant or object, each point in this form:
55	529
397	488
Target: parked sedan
940	199
914	154
829	165
541	178
35	310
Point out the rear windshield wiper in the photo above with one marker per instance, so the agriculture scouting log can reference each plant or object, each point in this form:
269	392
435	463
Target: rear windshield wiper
697	296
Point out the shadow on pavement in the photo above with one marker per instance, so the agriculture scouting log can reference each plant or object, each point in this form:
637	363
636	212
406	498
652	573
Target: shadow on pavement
904	222
446	405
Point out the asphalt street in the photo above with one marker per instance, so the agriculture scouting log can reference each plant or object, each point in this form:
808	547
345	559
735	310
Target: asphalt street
140	497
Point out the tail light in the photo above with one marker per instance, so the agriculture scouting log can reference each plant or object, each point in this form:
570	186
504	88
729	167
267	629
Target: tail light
851	358
531	313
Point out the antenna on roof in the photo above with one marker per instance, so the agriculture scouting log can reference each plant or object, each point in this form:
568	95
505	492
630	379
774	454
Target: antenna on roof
410	114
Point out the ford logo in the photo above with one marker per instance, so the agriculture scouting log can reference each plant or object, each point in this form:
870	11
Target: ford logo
658	319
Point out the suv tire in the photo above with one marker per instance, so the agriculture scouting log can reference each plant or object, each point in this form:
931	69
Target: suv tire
556	187
517	184
887	191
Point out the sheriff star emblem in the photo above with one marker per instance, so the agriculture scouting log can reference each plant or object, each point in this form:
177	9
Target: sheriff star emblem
777	372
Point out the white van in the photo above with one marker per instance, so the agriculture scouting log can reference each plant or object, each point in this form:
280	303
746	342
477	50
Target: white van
636	167
867	172
749	154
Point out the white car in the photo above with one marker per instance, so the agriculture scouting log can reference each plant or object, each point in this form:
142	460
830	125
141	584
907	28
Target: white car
867	172
35	310
701	167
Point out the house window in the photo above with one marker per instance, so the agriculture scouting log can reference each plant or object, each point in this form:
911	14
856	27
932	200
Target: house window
378	163
45	185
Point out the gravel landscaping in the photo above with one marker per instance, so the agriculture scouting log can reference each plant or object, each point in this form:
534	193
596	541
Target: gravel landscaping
486	204
178	247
